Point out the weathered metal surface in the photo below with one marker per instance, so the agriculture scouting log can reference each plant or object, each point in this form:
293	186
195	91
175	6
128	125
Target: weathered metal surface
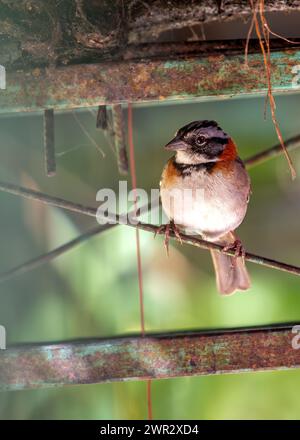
42	33
153	356
88	85
159	20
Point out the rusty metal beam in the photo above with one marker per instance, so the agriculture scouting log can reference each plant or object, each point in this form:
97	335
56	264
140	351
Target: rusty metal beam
154	356
147	80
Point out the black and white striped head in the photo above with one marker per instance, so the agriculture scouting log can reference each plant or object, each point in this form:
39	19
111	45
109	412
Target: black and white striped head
199	142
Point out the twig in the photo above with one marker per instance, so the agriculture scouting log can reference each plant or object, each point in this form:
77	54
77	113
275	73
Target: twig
60	250
263	261
49	143
49	256
49	200
75	207
264	40
276	150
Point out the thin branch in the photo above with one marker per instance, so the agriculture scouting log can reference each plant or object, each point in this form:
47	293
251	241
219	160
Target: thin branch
263	261
60	250
264	41
276	150
75	207
49	256
48	200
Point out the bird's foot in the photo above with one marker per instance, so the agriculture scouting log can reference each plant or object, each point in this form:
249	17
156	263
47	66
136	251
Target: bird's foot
237	247
166	229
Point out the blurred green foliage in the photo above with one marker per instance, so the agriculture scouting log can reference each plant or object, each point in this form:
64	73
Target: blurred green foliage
92	291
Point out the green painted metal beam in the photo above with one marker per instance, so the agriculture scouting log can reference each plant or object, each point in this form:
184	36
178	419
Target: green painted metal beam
149	357
203	77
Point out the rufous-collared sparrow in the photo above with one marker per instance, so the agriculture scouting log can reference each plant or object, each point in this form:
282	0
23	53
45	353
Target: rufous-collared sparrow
205	191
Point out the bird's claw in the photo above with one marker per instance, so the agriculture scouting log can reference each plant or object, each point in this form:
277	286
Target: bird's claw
166	230
237	247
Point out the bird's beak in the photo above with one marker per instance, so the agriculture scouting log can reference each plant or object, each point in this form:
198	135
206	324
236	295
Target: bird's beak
176	144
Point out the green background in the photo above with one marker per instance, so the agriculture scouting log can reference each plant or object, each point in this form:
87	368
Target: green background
92	291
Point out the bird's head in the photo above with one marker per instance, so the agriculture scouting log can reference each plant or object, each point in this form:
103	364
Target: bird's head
201	142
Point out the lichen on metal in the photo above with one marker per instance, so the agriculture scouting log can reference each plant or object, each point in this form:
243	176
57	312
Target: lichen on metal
42	32
153	356
147	80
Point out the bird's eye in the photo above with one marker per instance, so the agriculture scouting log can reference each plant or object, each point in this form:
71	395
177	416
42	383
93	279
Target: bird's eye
200	140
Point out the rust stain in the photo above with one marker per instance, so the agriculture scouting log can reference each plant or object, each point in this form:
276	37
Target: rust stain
145	80
153	356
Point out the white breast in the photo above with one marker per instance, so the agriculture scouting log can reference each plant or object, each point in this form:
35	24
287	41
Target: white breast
209	204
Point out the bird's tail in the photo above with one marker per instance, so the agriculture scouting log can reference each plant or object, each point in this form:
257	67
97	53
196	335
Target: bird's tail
231	272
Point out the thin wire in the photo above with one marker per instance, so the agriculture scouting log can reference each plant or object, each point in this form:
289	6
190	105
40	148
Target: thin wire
149	399
87	134
138	247
269	153
107	132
